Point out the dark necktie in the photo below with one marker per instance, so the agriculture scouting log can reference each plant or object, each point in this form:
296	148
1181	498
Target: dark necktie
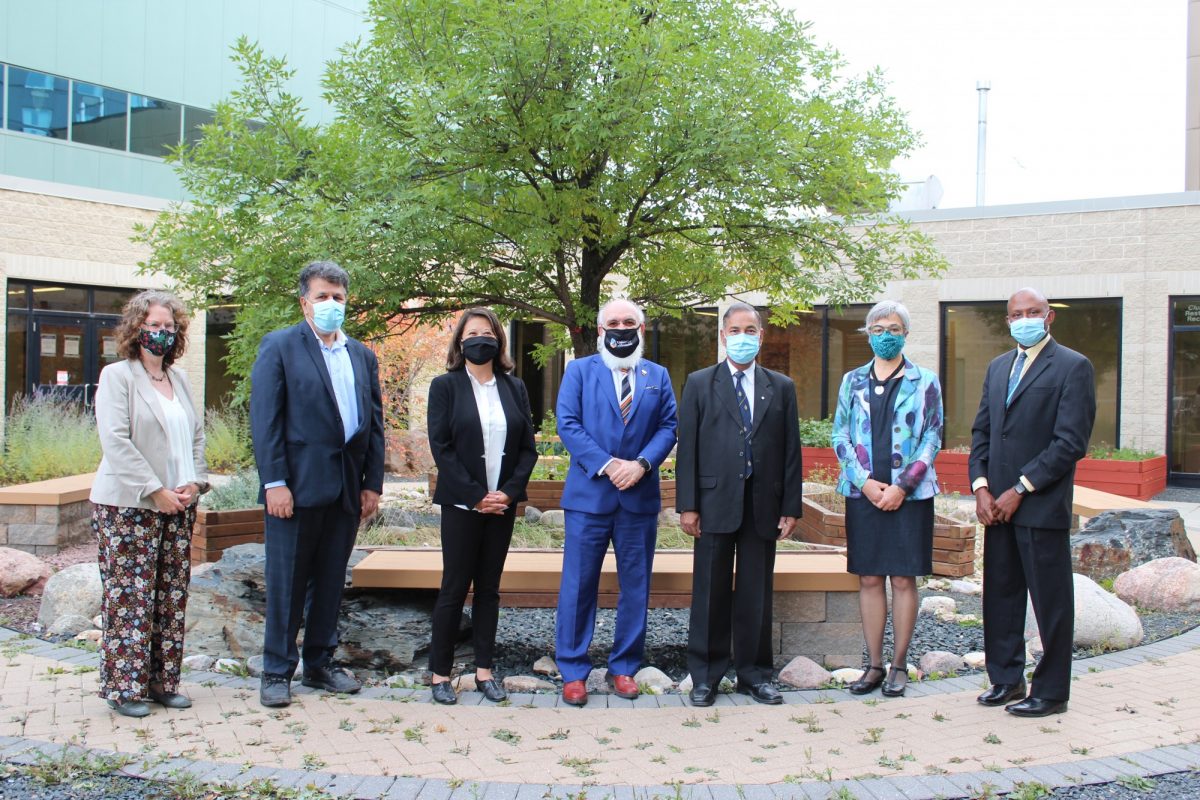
747	421
626	394
1015	379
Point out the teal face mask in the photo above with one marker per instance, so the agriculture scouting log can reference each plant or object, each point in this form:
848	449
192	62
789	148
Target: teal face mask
887	345
742	347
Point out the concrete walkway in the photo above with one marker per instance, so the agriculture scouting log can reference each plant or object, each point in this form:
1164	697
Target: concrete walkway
1132	713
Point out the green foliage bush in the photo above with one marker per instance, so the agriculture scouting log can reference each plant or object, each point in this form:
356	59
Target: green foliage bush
816	432
48	438
227	446
1111	453
241	491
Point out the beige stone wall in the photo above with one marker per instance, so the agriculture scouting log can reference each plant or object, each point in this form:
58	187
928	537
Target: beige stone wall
44	237
1192	150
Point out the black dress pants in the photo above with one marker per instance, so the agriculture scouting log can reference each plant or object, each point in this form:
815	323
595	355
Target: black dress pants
723	612
305	574
1017	559
474	547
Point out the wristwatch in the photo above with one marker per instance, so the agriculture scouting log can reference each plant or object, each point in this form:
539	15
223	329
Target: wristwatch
645	464
1020	489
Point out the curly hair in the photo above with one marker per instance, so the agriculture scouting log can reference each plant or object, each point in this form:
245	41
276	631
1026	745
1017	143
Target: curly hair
134	314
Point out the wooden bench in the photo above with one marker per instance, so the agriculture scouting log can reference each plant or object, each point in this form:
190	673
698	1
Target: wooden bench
815	605
1090	503
45	516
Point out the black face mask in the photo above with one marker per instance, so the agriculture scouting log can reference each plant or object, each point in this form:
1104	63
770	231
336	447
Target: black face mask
480	349
621	342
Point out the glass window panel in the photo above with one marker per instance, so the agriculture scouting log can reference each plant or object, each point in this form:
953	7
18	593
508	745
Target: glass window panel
1185	387
683	345
153	125
848	349
193	118
541	383
60	298
111	301
17	297
975	333
98	115
37	103
16	379
795	350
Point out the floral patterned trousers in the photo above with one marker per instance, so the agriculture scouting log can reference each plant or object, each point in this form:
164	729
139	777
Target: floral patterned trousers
145	565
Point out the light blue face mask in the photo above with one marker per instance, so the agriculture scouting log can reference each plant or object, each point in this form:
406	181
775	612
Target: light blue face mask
742	347
1028	331
328	315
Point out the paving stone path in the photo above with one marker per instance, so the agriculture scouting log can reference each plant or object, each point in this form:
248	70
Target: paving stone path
1132	713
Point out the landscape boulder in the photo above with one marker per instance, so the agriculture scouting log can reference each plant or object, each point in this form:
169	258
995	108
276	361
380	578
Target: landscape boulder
1165	584
1102	620
1117	541
22	573
804	673
74	590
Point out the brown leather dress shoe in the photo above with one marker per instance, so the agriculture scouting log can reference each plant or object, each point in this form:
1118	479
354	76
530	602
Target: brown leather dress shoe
574	693
622	686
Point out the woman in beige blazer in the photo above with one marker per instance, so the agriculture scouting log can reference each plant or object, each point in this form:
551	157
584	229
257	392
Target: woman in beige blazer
144	498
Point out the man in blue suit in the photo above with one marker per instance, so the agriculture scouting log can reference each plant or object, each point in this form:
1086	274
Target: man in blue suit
616	417
316	419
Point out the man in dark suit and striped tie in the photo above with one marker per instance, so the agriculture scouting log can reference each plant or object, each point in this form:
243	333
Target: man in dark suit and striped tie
1035	418
616	417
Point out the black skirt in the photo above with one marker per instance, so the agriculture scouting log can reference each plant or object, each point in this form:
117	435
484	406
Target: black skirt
896	542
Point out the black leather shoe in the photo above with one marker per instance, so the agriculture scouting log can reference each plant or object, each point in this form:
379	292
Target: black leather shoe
129	708
864	686
1037	707
703	695
444	693
169	699
331	680
1002	693
491	690
275	691
893	686
762	693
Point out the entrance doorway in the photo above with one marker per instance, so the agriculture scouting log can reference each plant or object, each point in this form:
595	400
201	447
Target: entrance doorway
1183	419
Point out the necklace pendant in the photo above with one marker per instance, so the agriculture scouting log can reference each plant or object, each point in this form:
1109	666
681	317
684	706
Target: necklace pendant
878	390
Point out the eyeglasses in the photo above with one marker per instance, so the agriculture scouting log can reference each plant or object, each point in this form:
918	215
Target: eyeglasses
894	330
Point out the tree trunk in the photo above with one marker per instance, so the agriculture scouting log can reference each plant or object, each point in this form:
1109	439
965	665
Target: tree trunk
583	341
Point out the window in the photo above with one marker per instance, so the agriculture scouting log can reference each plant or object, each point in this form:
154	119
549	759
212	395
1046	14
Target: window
683	345
1184	427
795	350
975	333
98	115
193	118
37	103
154	125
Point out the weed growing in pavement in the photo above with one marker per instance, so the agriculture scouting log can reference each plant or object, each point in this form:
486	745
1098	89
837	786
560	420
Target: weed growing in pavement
873	736
505	735
1080	751
1029	790
809	721
582	767
992	738
1136	783
72	767
415	733
312	761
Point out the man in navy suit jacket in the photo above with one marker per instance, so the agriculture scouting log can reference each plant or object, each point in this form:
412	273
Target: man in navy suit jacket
616	417
316	418
1035	418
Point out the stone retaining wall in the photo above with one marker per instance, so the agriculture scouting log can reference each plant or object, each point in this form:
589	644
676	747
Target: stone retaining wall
45	529
824	626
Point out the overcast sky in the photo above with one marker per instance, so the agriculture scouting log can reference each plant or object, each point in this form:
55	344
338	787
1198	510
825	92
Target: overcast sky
1087	98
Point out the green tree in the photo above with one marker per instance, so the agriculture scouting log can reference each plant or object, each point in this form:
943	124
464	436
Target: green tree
535	155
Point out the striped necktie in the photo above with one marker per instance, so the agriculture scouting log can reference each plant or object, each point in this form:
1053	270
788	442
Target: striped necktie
626	394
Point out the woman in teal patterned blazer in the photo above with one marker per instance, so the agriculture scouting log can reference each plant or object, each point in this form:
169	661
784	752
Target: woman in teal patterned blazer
886	432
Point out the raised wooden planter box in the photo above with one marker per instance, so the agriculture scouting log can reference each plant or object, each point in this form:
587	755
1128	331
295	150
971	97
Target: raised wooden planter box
547	495
953	541
217	530
1140	480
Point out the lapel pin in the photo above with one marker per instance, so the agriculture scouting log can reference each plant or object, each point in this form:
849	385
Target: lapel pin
643	372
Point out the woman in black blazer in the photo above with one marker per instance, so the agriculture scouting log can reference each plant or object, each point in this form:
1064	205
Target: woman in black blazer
481	436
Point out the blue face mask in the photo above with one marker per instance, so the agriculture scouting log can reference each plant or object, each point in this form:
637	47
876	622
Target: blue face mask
328	315
742	347
1028	331
887	345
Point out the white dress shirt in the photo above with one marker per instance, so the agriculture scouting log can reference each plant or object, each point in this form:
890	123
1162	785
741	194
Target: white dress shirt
494	425
181	468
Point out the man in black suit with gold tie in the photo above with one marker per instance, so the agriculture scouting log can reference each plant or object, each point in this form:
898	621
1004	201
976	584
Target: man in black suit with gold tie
1035	418
738	490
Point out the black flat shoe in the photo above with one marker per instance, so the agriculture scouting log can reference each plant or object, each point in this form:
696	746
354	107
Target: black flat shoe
895	688
762	693
1002	693
444	693
169	699
129	708
491	690
1037	707
864	686
703	695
